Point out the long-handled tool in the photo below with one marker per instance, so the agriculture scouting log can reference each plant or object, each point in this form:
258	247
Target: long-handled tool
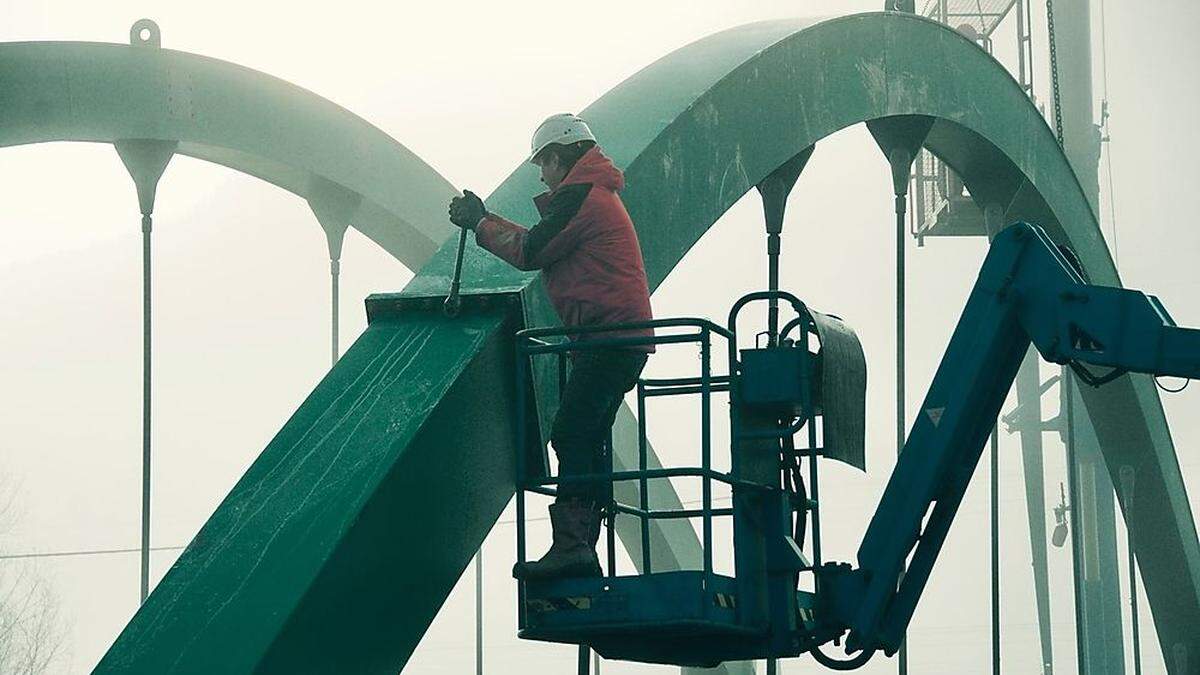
453	302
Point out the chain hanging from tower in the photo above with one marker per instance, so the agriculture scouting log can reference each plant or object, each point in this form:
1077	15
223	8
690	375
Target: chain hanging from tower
1058	122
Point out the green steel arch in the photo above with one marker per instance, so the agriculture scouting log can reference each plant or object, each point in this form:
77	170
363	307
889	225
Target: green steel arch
231	115
306	565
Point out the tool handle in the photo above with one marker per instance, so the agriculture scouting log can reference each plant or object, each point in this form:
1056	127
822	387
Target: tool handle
453	301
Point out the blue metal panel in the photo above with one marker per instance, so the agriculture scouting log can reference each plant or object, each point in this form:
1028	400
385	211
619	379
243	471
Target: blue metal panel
1025	290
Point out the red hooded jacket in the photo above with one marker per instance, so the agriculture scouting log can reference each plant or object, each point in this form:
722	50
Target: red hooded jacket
586	247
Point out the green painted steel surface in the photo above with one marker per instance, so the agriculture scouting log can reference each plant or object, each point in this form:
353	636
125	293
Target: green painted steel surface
309	564
688	132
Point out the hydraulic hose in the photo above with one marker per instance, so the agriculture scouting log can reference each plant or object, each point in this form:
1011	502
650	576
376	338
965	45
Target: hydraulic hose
831	663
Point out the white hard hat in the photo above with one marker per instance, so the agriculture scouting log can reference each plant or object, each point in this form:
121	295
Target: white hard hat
563	128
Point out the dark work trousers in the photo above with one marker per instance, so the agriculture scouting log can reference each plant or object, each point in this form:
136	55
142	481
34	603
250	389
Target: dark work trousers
596	385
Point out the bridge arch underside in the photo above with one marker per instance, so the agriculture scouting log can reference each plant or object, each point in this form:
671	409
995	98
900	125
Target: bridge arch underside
688	158
693	132
351	173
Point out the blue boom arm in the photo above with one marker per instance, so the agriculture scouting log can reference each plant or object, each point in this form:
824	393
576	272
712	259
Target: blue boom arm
1026	292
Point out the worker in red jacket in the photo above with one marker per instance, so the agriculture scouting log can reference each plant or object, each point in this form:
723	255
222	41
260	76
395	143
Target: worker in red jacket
591	263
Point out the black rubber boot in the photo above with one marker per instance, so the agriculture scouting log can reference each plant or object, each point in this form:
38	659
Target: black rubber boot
576	528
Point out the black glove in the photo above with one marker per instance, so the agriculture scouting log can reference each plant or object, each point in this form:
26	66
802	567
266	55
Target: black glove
466	211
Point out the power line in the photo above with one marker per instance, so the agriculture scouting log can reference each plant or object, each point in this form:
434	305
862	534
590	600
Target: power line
86	552
112	551
1106	137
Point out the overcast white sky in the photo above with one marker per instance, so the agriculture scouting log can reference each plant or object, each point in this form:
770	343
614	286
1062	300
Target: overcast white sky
241	304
